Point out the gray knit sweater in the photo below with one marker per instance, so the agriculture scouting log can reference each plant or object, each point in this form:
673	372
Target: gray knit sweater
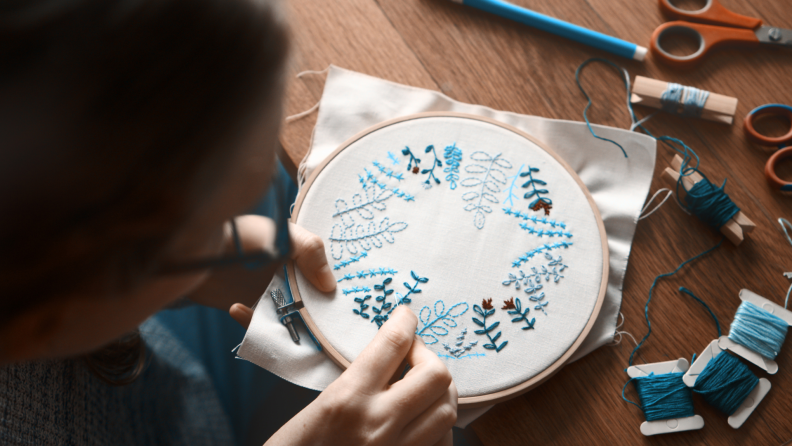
62	403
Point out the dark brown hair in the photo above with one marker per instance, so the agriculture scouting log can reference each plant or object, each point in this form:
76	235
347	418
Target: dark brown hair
116	117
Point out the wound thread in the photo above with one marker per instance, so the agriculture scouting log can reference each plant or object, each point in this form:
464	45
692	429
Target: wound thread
725	383
663	397
758	330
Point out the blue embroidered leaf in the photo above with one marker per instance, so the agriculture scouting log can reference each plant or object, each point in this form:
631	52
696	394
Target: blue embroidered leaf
529	194
428	149
425	171
407	285
376	310
388	292
493	326
490	312
530	324
458	309
480	332
501	346
525	174
478	322
517	319
495	338
489	346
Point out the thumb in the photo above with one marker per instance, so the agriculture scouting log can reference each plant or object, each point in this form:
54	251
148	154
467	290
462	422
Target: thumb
242	314
309	255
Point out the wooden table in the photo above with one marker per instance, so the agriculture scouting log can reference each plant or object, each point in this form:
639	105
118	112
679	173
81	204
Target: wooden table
478	58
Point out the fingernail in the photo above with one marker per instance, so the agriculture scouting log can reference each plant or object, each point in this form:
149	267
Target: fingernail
326	278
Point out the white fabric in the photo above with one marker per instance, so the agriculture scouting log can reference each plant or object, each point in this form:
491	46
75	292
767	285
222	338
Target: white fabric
353	102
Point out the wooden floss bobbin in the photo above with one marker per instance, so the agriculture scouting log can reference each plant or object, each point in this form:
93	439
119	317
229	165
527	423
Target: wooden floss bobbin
649	428
737	227
647	91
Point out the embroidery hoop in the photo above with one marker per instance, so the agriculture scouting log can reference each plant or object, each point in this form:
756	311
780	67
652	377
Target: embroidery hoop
496	396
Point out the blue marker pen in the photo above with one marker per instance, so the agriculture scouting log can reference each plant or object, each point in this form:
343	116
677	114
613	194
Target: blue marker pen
559	27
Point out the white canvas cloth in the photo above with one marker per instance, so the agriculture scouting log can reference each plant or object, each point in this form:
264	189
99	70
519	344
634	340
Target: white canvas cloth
353	102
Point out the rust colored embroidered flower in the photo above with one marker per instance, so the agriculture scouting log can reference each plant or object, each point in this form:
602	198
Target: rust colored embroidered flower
486	304
508	304
542	205
415	169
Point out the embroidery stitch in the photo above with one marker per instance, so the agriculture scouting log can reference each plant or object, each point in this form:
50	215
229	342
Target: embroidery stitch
441	315
354	259
546	247
545	232
412	289
402	194
393	159
406	151
557	267
459	347
510	196
363	236
356	289
469	355
535	219
540	201
373	200
484	313
490	184
365	274
363	306
453	157
388	172
380	318
516	308
436	163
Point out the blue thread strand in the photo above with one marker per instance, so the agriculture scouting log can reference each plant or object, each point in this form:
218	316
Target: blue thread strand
710	204
544	232
354	259
406	151
651	289
535	192
453	157
662	397
535	219
488	330
441	315
691	98
725	383
784	224
430	172
510	195
758	330
588	98
393	159
546	247
690	293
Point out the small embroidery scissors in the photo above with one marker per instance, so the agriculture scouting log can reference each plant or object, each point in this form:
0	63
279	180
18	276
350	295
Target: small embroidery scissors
784	142
721	27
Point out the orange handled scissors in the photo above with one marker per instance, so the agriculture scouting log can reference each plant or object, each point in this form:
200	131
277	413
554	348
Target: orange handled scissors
721	27
780	141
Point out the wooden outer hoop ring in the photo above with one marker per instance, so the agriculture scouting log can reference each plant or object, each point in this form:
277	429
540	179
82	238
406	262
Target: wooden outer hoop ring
501	395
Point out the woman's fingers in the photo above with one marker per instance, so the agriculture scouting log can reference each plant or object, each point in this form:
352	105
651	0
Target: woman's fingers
242	314
378	362
309	255
434	425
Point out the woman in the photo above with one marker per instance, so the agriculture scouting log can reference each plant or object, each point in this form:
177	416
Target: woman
133	132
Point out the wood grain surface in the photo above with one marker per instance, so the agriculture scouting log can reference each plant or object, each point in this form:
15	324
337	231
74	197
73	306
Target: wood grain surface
478	58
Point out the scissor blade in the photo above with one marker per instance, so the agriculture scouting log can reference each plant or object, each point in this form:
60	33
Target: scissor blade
774	36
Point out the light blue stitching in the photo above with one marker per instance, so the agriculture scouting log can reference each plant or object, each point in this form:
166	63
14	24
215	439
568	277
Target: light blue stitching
369	273
487	330
535	192
388	172
546	247
511	195
453	157
373	200
363	306
523	315
535	219
393	159
354	259
366	237
357	289
406	151
459	347
436	163
469	355
441	315
545	232
489	185
364	179
403	195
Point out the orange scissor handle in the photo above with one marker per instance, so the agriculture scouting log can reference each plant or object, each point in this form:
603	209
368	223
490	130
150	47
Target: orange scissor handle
770	175
713	13
765	110
709	37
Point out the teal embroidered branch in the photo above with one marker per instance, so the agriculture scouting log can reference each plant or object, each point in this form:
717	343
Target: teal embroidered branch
365	274
393	159
536	192
510	196
354	259
436	163
535	219
356	289
364	237
364	206
537	274
545	232
431	324
389	173
460	348
453	157
363	305
412	289
515	308
490	184
546	247
406	151
382	315
484	313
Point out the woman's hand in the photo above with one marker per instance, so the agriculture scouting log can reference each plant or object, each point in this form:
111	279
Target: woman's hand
237	284
368	405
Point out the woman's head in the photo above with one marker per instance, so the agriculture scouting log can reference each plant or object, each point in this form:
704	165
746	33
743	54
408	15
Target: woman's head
130	129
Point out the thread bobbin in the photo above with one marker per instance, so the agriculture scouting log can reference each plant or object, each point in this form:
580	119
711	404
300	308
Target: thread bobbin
648	92
749	403
649	428
737	227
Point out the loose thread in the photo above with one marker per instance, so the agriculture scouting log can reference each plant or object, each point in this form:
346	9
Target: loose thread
588	98
725	383
715	318
758	330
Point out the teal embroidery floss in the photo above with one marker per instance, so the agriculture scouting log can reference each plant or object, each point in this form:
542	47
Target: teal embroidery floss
758	330
437	163
691	99
662	397
725	383
709	203
485	312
